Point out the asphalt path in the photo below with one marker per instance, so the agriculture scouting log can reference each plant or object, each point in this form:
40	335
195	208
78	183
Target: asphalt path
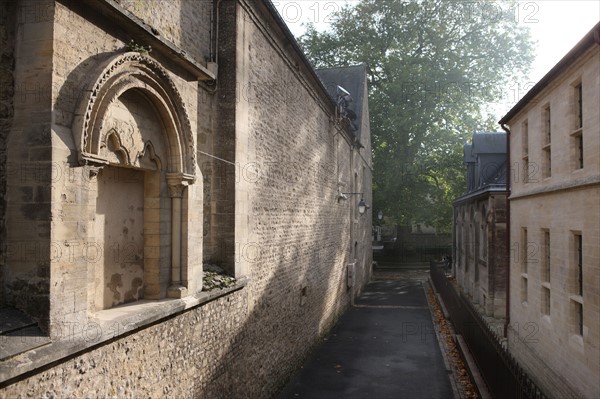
383	347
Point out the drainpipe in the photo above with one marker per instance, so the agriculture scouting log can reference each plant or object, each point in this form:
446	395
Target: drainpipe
507	217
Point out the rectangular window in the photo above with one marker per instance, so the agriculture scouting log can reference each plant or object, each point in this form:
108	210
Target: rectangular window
547	124
576	317
525	138
577	123
547	160
546	256
579	262
545	300
547	156
580	151
525	150
524	261
523	289
576	297
545	272
578	106
524	250
484	240
577	149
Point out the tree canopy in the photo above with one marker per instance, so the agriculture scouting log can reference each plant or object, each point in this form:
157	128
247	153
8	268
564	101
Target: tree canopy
433	66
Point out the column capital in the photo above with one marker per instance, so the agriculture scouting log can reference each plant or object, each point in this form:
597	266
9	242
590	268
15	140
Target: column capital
177	182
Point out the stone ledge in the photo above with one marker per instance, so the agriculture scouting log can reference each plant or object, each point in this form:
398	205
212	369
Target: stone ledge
105	326
563	185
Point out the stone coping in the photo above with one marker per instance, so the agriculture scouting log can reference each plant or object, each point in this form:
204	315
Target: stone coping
100	328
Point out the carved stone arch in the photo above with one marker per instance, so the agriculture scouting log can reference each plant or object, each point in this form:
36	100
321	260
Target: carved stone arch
132	119
113	78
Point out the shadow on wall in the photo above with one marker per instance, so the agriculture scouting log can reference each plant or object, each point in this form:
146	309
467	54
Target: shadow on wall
298	287
7	32
293	298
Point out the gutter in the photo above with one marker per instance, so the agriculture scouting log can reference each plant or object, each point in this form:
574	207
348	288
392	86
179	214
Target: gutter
480	192
507	262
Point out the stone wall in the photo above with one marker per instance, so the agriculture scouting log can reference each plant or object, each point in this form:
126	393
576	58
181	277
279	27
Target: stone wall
480	251
7	90
182	22
555	346
271	216
562	356
221	169
29	164
186	356
76	187
497	236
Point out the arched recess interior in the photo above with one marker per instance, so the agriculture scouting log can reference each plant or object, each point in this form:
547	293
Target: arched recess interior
102	143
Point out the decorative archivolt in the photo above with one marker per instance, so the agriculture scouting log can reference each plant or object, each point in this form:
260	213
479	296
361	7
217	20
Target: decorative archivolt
92	127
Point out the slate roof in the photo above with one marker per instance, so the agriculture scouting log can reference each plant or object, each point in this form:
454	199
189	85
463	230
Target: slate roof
468	153
489	142
351	78
485	158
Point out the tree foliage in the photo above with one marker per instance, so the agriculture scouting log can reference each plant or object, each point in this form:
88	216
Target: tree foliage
433	67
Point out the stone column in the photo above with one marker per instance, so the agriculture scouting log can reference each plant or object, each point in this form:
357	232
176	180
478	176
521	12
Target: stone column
176	189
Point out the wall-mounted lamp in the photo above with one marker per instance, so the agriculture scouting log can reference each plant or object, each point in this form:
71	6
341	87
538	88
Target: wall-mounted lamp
362	205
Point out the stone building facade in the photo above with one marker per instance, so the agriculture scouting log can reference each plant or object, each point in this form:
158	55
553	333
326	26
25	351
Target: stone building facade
143	140
554	326
479	250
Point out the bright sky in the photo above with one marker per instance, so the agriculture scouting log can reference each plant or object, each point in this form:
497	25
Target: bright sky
556	25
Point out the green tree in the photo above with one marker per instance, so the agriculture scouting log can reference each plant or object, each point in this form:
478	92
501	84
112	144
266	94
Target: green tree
434	67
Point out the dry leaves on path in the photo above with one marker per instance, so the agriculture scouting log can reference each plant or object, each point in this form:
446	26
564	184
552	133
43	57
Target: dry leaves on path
449	345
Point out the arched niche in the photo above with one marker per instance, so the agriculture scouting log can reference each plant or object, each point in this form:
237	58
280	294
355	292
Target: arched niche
132	124
118	75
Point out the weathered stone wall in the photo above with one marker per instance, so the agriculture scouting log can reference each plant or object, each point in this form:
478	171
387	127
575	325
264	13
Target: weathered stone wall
480	254
550	345
183	356
283	226
273	216
497	237
564	362
221	168
293	238
7	90
29	164
183	22
75	189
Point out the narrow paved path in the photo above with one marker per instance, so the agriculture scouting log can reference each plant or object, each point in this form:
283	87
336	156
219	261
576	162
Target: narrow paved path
383	347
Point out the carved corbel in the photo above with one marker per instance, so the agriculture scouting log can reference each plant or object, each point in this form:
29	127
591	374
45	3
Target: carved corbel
94	171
